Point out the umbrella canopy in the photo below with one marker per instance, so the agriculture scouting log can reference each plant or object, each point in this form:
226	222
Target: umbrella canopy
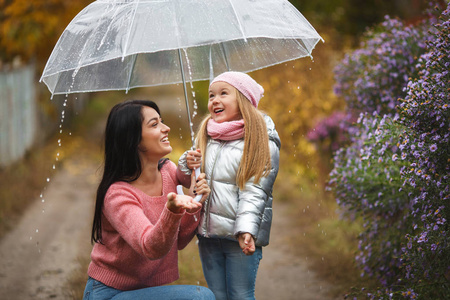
120	44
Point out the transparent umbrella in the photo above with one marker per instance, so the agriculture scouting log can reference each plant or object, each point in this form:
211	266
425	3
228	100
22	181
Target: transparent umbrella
123	44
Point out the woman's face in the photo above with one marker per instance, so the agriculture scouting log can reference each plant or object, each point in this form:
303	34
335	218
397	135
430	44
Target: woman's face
155	140
223	105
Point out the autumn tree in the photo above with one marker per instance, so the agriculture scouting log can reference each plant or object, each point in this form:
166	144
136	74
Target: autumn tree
30	29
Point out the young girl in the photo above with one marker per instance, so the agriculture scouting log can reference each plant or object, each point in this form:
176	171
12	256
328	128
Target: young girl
241	156
139	222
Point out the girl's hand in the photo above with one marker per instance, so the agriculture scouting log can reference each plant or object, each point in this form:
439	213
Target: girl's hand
199	186
180	203
247	243
194	159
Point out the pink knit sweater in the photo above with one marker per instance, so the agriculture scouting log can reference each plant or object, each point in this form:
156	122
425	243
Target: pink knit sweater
141	236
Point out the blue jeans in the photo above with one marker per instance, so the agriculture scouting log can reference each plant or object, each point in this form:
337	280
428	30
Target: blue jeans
230	274
95	290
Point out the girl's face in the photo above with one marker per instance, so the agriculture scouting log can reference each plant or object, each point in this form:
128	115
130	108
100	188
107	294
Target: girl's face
155	140
223	105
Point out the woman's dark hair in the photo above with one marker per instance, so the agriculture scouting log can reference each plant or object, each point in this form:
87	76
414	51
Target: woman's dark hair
121	162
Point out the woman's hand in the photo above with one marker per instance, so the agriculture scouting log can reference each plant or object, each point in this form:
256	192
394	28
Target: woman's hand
199	186
247	243
194	159
179	203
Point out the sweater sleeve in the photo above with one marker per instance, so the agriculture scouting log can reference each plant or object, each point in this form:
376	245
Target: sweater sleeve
150	238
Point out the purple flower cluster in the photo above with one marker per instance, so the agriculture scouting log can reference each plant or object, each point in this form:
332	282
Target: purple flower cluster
330	133
395	172
373	77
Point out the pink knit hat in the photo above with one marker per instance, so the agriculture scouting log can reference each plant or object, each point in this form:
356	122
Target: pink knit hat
244	84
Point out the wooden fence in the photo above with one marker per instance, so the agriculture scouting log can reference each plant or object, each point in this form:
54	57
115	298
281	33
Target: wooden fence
18	113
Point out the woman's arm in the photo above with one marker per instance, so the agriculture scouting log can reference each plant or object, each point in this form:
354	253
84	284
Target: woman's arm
190	220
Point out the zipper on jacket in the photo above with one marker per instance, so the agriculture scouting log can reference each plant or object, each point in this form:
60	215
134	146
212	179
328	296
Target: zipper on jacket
212	188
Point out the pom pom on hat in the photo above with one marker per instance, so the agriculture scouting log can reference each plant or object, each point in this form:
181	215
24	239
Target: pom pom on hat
244	84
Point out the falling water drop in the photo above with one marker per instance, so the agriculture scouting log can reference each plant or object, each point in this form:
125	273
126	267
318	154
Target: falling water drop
48	179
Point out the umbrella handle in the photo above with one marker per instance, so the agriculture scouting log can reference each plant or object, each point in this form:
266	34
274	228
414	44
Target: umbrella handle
180	187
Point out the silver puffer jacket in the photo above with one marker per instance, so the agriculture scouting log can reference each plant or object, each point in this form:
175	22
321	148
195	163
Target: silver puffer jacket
229	210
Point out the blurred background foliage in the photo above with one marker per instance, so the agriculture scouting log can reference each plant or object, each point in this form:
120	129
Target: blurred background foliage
29	29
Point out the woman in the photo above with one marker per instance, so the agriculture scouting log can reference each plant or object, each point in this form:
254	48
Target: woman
139	222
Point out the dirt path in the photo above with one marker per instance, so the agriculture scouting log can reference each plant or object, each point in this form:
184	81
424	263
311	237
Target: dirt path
41	252
283	275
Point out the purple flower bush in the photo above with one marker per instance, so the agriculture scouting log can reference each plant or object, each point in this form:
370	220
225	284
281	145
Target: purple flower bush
425	112
394	175
367	184
373	77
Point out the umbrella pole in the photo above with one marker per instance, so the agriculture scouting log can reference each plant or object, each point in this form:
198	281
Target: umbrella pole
197	198
186	97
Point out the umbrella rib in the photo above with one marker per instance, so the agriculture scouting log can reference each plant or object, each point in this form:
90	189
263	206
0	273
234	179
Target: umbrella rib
129	31
238	20
225	56
131	73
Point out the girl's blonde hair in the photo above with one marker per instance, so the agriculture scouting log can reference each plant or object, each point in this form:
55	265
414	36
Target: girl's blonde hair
256	156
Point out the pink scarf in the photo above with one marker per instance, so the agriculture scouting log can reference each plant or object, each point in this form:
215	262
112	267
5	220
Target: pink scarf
226	131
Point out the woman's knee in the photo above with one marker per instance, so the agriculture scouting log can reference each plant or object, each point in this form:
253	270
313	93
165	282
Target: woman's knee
204	293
